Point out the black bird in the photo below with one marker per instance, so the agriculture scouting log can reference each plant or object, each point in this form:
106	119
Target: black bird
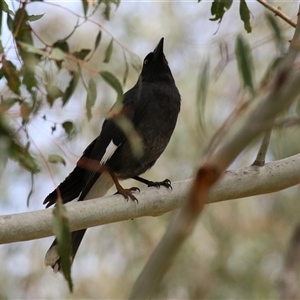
149	110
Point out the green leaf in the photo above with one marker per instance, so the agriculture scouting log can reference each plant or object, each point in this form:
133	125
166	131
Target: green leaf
55	158
57	54
23	157
81	54
245	15
202	88
126	72
25	111
68	126
62	45
106	12
53	93
61	229
85	5
98	39
277	31
113	82
91	97
6	9
108	51
31	48
22	30
29	80
32	18
219	8
244	61
11	74
70	89
10	22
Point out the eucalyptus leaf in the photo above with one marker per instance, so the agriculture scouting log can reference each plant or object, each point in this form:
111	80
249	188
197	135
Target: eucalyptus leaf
244	61
113	82
108	51
61	229
91	97
55	158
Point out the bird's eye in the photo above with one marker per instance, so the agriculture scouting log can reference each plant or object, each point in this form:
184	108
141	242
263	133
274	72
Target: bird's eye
145	61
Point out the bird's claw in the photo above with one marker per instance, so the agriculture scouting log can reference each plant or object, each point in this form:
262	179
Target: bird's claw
166	183
127	193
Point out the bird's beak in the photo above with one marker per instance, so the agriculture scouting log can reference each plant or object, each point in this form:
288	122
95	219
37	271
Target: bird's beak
159	49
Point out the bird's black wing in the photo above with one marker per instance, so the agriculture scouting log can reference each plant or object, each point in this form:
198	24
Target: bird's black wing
88	168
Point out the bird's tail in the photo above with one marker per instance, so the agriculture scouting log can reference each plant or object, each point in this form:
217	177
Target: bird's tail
99	189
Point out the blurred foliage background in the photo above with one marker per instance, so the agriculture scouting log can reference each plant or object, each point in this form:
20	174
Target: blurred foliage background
239	247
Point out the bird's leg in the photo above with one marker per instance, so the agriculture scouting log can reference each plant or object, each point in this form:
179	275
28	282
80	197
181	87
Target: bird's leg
127	193
166	183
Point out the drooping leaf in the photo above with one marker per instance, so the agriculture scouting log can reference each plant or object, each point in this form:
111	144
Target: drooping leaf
22	30
277	31
81	54
108	51
10	72
53	93
98	39
126	69
57	54
244	62
245	15
70	89
106	11
61	229
219	8
23	157
32	18
85	5
29	80
10	22
6	9
23	34
25	111
68	126
113	82
91	97
62	45
55	158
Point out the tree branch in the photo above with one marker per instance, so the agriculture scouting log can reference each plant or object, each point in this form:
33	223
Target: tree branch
284	91
277	12
245	182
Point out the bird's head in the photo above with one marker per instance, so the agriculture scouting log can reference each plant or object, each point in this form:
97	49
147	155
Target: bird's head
155	65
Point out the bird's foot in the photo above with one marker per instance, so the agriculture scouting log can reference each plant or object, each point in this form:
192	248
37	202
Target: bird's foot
166	183
127	193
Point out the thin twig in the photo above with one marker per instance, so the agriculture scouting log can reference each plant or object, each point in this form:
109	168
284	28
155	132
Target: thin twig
277	12
261	155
